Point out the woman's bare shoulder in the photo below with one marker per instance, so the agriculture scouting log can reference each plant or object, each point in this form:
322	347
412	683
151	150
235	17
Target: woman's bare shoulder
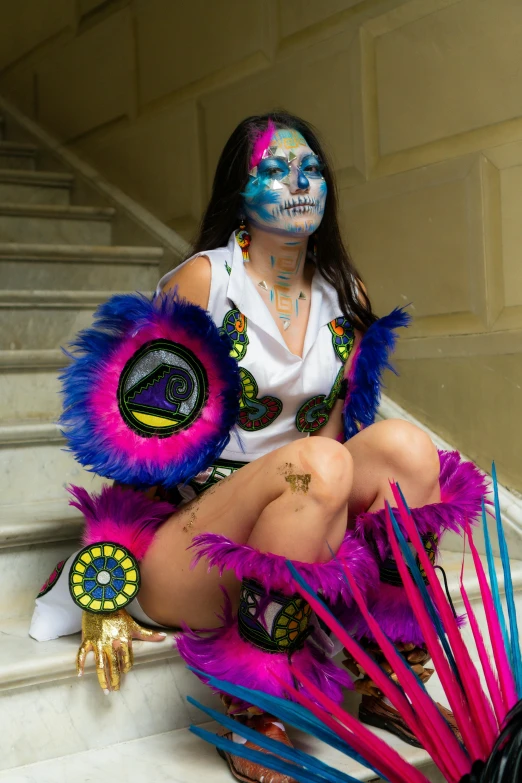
192	281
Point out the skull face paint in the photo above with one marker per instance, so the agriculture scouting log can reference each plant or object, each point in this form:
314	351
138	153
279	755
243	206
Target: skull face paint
286	190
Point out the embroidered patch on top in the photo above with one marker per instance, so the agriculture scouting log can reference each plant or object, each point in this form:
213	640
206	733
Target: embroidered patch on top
104	578
52	579
162	389
273	622
235	327
220	469
343	337
312	415
255	414
315	412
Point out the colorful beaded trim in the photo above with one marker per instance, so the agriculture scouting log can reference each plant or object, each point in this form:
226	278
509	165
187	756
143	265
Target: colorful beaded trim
104	577
53	578
389	573
235	327
315	412
288	626
255	413
343	337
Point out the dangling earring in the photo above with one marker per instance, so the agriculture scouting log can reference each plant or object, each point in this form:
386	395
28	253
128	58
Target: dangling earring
243	239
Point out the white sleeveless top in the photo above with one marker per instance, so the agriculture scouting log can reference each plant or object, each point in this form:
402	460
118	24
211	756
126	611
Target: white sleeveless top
283	394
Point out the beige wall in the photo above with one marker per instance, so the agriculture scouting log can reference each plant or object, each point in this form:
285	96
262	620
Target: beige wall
421	104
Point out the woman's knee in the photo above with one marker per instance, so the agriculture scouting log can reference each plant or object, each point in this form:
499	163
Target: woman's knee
407	448
330	469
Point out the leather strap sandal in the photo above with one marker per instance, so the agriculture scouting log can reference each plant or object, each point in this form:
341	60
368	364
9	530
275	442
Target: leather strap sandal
247	771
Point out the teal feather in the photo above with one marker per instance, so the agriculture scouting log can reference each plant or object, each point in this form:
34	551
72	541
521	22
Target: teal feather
516	660
419	581
290	712
308	767
494	582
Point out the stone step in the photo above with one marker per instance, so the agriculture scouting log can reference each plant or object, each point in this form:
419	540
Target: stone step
46	267
15	155
38	678
35	187
34	537
34	465
46	711
45	319
180	756
29	386
56	223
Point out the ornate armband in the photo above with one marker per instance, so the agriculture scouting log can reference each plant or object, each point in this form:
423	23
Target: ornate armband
152	392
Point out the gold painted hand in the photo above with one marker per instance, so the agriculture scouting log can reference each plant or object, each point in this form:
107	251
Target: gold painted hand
109	637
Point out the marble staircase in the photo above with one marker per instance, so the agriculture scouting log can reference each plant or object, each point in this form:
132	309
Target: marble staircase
61	254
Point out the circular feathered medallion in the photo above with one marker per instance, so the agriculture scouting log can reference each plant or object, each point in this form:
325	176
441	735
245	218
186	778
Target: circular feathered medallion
152	392
104	578
163	389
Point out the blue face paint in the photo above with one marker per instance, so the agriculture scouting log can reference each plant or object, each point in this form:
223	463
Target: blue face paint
273	168
312	167
258	201
302	182
286	192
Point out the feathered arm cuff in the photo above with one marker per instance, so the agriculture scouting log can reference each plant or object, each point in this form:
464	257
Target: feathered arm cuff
122	515
370	360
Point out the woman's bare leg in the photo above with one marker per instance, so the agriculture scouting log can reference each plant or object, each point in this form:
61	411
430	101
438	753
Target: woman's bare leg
292	502
392	450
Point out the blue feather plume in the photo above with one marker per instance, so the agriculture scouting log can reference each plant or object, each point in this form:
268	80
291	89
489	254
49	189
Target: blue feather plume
513	650
493	580
290	712
364	393
123	315
419	581
297	763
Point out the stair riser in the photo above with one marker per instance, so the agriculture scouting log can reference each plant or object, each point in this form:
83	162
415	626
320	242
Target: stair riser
71	715
11	161
12	193
29	394
14	228
45	327
43	275
34	472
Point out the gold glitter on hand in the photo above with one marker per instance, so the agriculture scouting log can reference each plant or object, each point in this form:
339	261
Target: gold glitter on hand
109	637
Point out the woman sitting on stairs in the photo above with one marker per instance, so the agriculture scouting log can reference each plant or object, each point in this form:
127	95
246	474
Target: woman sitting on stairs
305	474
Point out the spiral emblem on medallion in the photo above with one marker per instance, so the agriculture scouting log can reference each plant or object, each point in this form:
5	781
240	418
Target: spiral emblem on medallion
162	389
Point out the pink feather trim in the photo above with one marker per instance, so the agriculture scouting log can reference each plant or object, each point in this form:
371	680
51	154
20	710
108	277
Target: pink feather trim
272	572
261	142
225	655
462	488
121	515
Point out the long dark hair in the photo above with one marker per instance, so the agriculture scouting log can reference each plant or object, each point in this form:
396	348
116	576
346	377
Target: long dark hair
225	205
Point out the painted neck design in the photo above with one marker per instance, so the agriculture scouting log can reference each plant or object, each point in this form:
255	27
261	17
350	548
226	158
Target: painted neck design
278	268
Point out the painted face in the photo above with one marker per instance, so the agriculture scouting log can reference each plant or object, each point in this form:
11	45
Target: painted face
286	191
